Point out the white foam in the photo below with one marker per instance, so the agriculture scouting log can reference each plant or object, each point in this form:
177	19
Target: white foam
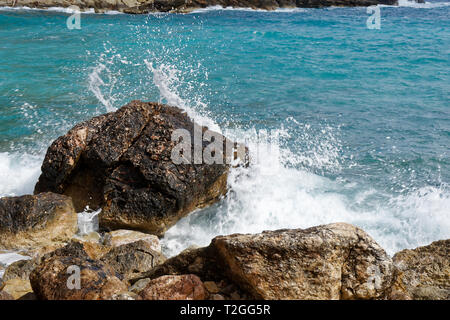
19	173
7	258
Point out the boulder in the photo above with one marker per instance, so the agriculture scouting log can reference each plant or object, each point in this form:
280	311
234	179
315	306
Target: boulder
120	237
132	259
335	261
423	273
55	277
32	221
122	162
5	296
183	287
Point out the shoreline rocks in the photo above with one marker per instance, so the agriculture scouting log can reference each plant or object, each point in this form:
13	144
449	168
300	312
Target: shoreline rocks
335	261
184	6
121	162
31	222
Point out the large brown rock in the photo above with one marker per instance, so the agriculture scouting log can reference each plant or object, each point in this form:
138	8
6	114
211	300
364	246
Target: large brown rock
183	287
51	277
423	273
335	261
121	162
31	221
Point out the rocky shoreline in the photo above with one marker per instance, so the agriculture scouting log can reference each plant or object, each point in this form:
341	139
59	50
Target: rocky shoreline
120	162
185	6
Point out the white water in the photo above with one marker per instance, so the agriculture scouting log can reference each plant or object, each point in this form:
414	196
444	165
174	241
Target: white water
18	173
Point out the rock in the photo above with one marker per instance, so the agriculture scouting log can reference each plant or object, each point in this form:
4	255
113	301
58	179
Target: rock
126	296
335	261
211	286
184	287
17	287
5	296
120	237
146	6
28	222
132	259
139	285
50	280
423	273
20	269
122	162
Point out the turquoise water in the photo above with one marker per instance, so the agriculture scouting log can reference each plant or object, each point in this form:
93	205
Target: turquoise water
362	116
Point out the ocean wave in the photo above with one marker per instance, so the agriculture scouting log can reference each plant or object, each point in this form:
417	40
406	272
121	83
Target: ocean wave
19	173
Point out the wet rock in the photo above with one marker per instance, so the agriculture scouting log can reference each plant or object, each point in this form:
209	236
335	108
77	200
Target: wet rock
122	162
132	259
423	273
184	287
30	222
335	261
51	279
17	287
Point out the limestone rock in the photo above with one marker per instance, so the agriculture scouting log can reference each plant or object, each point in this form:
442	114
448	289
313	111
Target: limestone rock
120	237
145	6
183	287
20	269
122	162
423	273
132	259
28	222
5	296
335	261
17	287
50	280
